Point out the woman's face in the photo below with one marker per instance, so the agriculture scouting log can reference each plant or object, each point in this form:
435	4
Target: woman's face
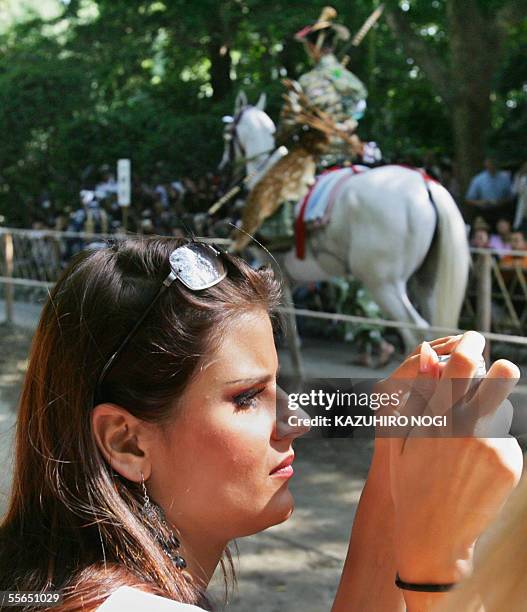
480	239
214	468
503	227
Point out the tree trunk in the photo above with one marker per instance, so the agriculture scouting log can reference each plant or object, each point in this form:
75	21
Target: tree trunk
470	122
220	70
474	48
465	82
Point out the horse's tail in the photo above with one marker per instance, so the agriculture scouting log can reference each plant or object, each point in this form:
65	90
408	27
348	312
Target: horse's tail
452	255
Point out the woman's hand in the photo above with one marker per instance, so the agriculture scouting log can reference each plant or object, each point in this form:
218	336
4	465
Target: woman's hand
446	491
427	500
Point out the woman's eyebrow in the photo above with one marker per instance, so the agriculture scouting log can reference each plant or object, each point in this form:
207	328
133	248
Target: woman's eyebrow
255	379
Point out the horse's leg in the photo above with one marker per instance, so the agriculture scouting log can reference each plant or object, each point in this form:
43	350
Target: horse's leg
293	339
394	301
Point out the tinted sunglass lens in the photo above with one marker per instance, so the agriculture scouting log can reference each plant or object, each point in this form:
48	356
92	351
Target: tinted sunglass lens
197	266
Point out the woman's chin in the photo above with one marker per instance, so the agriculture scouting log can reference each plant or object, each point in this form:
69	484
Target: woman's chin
281	507
276	511
286	515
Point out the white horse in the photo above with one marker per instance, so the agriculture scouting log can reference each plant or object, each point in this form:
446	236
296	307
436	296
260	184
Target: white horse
388	225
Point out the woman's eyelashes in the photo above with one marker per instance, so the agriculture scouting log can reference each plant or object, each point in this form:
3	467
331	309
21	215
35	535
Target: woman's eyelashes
247	399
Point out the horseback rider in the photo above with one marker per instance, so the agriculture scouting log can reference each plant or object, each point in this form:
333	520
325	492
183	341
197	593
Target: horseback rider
330	86
318	122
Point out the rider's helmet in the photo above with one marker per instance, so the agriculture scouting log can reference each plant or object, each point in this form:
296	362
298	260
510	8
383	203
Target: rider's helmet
324	32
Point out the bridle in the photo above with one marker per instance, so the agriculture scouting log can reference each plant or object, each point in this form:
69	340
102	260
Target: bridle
234	141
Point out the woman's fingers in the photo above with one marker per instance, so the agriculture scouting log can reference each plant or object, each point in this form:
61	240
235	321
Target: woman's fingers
440	345
457	374
428	359
489	410
497	385
494	424
465	357
411	365
414	383
433	388
408	369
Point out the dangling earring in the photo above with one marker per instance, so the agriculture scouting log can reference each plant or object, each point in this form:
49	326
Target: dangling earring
168	540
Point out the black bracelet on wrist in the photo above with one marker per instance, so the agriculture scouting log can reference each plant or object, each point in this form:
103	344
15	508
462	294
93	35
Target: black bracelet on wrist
425	588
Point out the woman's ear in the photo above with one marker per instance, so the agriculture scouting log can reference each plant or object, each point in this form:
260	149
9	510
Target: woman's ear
123	441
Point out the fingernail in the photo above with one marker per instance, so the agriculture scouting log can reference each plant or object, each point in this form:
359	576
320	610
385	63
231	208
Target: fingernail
426	357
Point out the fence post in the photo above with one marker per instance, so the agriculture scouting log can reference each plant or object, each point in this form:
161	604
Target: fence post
484	297
9	268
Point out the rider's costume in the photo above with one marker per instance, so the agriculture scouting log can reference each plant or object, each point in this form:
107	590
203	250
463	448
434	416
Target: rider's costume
335	90
330	86
318	122
339	93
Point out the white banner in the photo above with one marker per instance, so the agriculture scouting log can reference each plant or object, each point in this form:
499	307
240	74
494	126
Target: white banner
124	182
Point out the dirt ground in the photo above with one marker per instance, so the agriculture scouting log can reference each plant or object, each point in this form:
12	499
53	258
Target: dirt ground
294	566
14	345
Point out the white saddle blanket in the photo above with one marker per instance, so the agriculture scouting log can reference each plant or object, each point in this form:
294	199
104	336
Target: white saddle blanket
320	199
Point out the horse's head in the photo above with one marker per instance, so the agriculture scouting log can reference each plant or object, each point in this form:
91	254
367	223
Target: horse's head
248	135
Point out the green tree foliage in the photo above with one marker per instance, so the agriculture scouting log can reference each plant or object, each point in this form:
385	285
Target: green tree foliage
150	79
464	64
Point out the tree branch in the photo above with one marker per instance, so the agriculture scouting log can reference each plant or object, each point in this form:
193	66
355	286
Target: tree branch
427	59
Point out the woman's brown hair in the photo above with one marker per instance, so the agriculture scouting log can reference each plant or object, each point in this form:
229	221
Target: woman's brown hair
73	523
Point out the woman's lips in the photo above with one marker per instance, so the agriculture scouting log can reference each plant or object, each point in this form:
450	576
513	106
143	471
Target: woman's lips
285	472
284	469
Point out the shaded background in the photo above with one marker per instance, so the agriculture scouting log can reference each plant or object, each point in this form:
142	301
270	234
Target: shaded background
85	82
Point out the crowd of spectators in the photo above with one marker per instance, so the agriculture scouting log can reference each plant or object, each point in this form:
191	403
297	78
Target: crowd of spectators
494	210
161	206
494	207
167	206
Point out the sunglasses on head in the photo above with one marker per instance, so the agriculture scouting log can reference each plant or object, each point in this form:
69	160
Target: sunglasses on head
198	266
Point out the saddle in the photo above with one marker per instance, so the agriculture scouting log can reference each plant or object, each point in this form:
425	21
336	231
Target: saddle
290	224
314	210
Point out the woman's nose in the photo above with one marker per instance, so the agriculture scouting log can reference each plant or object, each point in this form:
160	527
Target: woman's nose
290	423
